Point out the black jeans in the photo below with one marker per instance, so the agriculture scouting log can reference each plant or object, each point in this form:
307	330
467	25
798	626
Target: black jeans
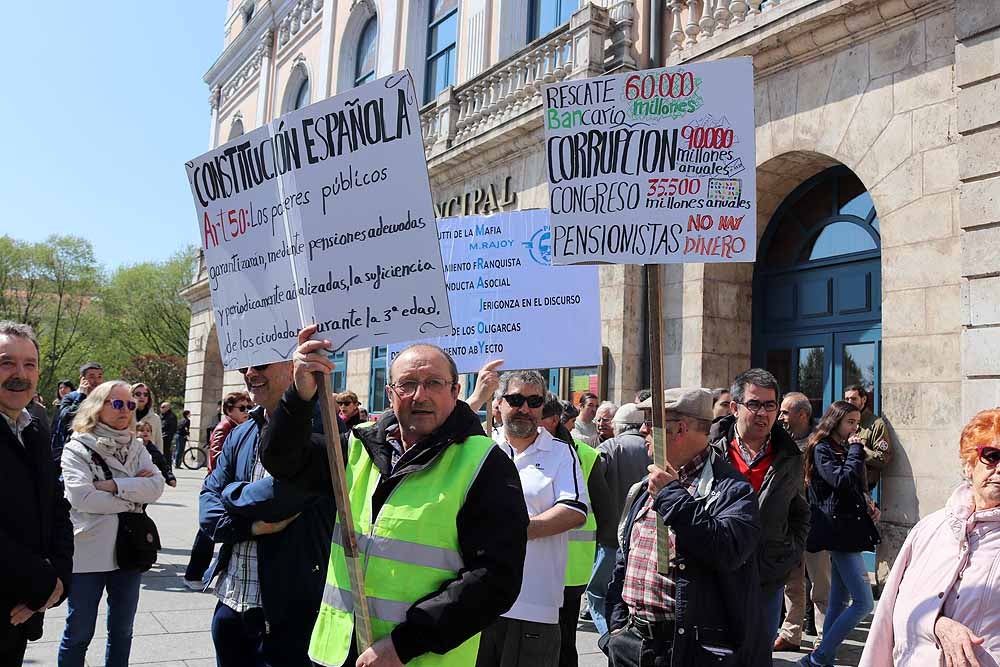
13	643
201	557
245	640
509	642
628	649
569	616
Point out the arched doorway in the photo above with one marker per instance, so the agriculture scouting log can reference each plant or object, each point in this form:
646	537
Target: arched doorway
817	307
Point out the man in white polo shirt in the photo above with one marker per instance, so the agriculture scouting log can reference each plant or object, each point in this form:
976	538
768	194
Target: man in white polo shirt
555	494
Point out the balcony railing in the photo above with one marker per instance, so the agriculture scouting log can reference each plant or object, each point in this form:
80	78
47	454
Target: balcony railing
514	87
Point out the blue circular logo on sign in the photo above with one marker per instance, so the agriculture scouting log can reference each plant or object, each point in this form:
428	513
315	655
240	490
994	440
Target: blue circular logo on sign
540	246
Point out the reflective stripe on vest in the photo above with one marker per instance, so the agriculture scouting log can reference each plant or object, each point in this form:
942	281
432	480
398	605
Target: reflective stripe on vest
409	550
583	540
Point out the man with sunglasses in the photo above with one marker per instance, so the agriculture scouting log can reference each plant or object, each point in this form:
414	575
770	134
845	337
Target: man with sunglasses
555	494
702	608
759	447
275	538
437	508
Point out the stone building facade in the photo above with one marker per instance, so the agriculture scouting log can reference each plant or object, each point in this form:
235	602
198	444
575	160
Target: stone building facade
877	169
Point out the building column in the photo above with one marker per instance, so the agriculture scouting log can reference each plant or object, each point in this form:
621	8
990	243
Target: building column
977	66
264	88
213	103
324	88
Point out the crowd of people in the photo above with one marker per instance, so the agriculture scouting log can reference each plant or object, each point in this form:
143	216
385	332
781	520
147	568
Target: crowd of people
479	541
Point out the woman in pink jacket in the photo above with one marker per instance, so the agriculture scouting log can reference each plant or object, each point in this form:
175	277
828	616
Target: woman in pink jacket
941	603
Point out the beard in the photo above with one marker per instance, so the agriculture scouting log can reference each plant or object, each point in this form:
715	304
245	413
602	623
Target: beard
521	427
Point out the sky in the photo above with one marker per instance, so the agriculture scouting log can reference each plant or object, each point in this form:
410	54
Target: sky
103	102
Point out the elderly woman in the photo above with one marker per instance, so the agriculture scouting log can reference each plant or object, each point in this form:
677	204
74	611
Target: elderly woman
103	442
941	603
145	412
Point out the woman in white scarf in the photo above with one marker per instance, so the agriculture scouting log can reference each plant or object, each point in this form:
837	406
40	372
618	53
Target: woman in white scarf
103	425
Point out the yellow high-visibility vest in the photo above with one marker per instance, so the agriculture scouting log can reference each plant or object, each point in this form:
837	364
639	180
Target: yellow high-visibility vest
409	550
583	540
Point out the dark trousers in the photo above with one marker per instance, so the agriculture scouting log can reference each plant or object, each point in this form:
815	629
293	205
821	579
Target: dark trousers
509	642
12	645
246	640
201	557
179	451
569	616
628	649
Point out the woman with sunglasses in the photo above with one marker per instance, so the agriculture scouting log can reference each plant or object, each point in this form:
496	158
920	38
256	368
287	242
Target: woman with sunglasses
236	408
103	441
841	523
944	588
145	414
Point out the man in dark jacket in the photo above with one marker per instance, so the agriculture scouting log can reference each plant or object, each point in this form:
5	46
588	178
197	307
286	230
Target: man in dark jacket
36	536
426	427
275	541
168	420
91	375
759	447
705	609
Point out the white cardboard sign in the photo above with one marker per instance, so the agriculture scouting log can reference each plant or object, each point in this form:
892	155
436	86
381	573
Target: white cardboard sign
653	167
508	301
322	216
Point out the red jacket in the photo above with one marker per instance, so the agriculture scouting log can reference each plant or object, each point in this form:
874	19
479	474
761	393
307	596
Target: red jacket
219	434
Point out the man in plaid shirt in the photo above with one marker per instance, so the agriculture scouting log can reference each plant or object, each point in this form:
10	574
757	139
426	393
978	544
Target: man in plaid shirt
705	608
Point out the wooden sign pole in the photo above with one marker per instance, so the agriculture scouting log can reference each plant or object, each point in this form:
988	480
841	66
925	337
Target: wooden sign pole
335	457
655	327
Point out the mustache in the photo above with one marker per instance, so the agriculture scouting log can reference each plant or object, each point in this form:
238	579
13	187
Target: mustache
16	384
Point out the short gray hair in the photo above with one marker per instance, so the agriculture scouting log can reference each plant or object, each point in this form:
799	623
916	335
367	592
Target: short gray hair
19	330
608	405
800	401
758	377
523	377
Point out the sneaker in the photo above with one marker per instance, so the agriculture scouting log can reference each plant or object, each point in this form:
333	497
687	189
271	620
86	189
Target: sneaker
585	615
807	661
782	644
194	584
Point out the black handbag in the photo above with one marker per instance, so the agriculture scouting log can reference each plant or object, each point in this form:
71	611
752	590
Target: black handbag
138	541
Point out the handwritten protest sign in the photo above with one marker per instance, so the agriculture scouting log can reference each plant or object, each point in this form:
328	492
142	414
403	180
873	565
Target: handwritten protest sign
322	216
508	301
653	167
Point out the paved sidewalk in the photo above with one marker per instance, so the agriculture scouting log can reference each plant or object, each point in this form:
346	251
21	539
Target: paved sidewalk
172	624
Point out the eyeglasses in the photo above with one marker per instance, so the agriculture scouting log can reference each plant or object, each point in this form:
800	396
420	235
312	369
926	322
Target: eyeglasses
241	408
345	402
408	388
260	369
990	456
119	404
602	420
517	400
756	406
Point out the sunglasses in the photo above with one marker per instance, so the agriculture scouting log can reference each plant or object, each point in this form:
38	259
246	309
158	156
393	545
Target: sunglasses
345	402
517	400
119	404
259	369
990	456
241	408
137	393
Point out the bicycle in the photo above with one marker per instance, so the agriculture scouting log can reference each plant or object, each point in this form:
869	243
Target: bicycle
194	457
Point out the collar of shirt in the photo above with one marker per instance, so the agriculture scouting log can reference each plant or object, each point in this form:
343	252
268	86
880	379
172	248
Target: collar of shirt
17	426
748	455
543	441
690	471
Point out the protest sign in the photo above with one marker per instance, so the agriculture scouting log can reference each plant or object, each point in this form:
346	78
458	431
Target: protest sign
508	301
323	216
653	167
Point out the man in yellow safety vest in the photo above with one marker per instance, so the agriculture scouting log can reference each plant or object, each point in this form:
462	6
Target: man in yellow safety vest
438	510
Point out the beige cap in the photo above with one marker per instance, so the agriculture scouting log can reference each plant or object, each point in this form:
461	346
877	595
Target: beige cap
690	401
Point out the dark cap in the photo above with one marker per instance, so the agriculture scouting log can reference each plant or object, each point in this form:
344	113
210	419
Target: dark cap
90	365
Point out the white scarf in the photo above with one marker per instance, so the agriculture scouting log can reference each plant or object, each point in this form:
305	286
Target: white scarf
112	442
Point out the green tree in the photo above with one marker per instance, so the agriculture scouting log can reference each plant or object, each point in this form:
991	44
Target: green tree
144	302
163	374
